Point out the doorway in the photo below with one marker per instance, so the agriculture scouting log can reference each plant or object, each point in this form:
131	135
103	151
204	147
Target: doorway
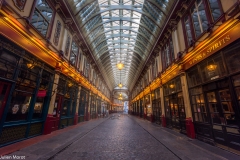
4	90
224	115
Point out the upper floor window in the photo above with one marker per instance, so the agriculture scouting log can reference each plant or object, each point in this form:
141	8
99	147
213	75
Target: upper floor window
67	45
167	54
86	68
42	16
202	14
154	69
57	33
73	54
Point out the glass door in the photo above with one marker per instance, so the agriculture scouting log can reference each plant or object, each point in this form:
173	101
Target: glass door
4	90
224	120
158	111
174	111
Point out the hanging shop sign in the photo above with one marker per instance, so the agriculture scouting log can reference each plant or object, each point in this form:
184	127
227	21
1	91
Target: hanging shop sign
41	93
214	46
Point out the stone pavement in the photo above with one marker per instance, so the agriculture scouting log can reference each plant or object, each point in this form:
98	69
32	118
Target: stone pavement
126	137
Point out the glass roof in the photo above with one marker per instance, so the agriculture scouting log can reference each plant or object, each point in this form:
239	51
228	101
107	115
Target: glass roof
120	31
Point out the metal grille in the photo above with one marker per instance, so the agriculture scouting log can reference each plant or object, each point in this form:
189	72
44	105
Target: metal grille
70	121
11	134
63	123
35	129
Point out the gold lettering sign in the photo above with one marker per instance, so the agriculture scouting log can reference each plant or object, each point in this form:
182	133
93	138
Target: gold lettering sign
210	50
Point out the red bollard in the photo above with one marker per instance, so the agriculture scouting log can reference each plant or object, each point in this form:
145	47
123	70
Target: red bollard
75	119
190	128
163	121
152	118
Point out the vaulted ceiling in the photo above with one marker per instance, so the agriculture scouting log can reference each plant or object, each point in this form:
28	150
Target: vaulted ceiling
120	31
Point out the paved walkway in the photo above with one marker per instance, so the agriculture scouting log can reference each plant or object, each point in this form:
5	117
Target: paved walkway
126	137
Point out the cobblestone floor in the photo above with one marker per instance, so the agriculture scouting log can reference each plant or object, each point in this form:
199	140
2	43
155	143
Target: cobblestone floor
126	137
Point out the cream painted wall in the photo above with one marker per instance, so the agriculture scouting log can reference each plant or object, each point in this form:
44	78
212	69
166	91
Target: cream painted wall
27	8
226	4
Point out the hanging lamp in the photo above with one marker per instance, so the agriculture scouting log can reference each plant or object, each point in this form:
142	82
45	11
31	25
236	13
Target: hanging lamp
120	84
120	65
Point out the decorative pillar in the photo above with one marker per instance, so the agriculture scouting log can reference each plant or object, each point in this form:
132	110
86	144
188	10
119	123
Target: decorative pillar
52	122
88	107
162	107
187	105
162	100
77	106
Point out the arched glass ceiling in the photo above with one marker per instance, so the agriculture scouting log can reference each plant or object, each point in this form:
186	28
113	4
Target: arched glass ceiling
120	30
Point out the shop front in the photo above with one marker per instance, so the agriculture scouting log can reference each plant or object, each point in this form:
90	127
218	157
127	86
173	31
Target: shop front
66	99
100	107
148	107
214	88
25	93
174	105
141	108
83	103
156	106
93	113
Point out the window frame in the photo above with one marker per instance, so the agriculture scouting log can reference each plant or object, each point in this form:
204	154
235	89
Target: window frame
209	17
50	23
76	54
167	49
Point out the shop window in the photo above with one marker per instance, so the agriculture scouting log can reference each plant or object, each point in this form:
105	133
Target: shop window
194	77
69	100
41	101
74	54
57	33
42	16
232	56
236	83
201	15
167	54
198	105
19	106
212	68
172	86
82	103
28	77
8	64
38	107
67	45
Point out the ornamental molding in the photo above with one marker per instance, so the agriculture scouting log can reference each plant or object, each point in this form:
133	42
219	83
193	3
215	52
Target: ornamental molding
19	4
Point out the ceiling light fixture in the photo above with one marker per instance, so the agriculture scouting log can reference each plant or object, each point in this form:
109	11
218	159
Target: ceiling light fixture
120	65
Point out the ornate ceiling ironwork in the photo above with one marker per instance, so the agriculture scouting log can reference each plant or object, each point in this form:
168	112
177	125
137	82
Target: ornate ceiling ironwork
120	30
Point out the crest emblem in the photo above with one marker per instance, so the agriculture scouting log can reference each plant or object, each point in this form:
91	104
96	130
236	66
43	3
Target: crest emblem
19	4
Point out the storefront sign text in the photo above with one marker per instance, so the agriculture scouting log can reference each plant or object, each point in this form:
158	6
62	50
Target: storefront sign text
214	47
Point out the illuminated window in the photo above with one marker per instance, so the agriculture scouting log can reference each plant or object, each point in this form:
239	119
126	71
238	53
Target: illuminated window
42	16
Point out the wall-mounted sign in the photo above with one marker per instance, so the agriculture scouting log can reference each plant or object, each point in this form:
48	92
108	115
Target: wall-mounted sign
219	43
19	4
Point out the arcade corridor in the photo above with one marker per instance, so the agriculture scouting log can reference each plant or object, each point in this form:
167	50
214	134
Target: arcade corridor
172	66
125	137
